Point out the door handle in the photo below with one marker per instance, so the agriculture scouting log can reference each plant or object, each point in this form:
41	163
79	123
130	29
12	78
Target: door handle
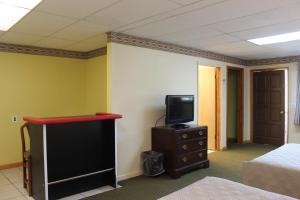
282	112
184	159
184	147
184	136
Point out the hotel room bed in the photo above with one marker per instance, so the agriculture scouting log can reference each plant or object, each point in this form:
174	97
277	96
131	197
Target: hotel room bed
212	188
277	171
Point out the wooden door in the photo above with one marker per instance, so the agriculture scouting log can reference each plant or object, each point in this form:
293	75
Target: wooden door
207	103
268	107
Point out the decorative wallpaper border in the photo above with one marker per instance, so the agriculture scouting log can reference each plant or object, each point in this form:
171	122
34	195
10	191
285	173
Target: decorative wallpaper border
13	48
272	61
157	45
146	43
154	44
94	53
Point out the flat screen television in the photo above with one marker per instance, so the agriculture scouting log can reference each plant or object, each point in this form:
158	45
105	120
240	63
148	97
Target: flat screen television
179	109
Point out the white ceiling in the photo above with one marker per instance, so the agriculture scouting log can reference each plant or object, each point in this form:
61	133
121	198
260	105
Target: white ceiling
221	26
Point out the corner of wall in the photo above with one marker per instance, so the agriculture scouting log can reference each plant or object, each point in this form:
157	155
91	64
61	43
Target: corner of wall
108	76
129	175
96	84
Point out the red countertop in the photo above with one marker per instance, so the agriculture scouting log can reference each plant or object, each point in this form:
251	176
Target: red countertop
60	120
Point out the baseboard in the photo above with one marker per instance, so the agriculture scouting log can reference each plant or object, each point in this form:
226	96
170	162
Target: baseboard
232	140
129	175
247	142
11	165
224	149
119	177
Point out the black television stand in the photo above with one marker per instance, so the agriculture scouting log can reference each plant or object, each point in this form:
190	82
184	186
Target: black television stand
180	126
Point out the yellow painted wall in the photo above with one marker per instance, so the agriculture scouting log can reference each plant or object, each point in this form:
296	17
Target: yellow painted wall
108	75
207	102
45	86
96	84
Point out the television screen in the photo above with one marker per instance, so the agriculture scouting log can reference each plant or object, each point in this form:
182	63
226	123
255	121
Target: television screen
179	108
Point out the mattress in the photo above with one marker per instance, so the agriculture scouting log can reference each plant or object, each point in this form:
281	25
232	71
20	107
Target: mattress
212	188
277	171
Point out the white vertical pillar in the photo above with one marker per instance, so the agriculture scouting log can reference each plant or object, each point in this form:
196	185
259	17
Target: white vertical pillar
116	152
45	161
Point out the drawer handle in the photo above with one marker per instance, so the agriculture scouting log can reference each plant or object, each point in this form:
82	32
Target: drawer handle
184	136
184	159
200	143
200	133
184	147
200	155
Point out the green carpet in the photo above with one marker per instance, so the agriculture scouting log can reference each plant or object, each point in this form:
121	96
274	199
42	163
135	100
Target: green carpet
226	164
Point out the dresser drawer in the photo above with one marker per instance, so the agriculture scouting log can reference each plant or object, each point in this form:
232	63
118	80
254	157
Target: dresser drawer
191	135
190	158
192	145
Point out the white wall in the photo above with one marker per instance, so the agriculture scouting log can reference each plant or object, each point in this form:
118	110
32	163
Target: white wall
140	79
293	130
246	105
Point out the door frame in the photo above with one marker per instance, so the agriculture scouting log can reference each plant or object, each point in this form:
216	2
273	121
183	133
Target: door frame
218	104
240	104
218	109
286	120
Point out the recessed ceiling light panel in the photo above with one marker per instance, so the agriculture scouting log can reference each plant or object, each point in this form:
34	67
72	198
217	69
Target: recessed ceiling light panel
277	38
29	4
11	11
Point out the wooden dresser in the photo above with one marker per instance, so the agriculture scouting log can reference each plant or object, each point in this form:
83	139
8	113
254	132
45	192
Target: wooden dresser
184	149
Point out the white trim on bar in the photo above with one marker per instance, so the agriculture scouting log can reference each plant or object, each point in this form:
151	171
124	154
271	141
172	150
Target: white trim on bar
116	154
81	176
45	161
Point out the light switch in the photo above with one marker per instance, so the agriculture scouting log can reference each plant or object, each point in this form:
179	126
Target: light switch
14	119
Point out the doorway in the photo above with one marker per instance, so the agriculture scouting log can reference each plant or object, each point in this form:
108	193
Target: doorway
235	105
209	103
269	106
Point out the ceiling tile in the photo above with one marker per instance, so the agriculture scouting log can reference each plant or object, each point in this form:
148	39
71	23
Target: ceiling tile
233	46
207	15
19	38
130	11
293	46
41	24
170	14
275	53
185	2
1	33
162	27
80	31
89	44
207	43
276	29
189	34
264	51
84	46
252	53
284	14
54	43
237	8
258	52
260	55
74	8
100	39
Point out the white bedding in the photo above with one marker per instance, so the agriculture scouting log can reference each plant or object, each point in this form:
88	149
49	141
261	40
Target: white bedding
277	171
212	188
